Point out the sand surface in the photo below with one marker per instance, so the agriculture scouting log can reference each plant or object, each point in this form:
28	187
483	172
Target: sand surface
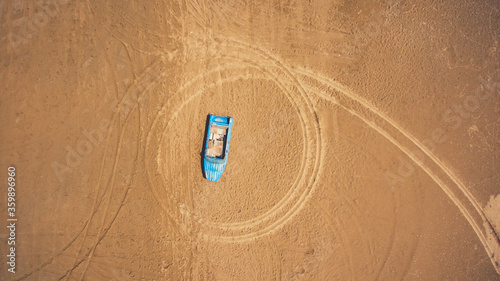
365	143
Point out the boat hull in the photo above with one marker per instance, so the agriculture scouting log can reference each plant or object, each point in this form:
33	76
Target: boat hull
216	148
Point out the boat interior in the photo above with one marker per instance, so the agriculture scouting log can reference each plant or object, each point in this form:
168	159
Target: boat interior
216	141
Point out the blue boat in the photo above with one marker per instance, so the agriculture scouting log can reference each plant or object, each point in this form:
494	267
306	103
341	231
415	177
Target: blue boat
218	138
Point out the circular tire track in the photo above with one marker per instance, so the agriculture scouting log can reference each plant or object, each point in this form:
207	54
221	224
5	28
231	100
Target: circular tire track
245	57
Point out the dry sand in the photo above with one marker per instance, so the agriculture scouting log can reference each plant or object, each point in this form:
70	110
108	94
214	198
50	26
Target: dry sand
365	142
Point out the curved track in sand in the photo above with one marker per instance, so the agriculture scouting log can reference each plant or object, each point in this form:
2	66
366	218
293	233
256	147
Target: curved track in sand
298	200
469	208
242	56
296	196
294	83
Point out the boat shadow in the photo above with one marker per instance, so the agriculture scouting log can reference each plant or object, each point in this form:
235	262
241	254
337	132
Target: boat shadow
202	153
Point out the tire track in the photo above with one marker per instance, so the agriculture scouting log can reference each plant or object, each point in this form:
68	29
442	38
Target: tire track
292	191
208	86
108	136
460	205
162	112
241	226
302	200
335	226
103	229
282	202
393	233
57	252
276	74
101	233
273	256
95	207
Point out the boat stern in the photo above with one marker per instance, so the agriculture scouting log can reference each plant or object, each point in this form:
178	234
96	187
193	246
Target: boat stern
213	171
